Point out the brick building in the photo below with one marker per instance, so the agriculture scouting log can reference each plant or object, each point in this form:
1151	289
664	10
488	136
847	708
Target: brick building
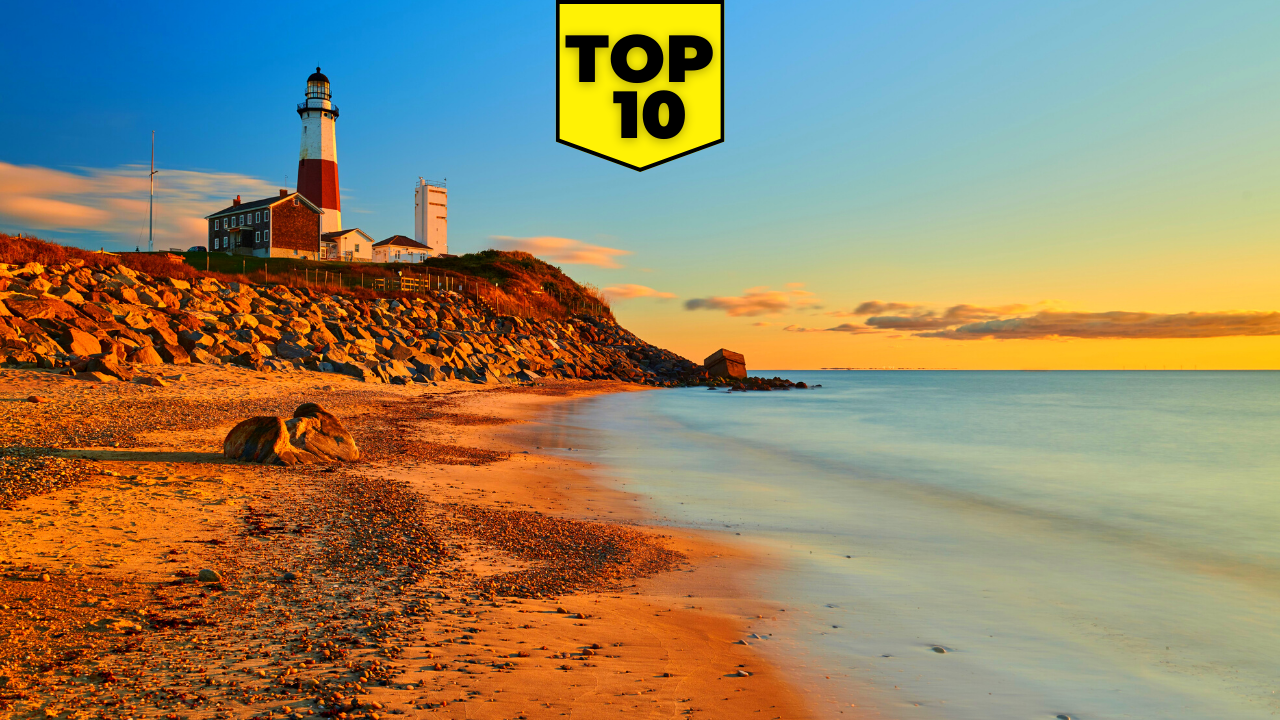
283	226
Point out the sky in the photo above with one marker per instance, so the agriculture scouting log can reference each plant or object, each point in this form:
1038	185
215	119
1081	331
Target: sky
1048	185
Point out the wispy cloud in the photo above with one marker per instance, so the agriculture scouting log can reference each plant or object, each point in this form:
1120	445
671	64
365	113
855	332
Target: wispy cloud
563	250
114	200
758	301
841	328
1117	325
628	292
874	307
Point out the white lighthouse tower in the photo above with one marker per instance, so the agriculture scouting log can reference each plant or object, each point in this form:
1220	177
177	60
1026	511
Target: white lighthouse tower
318	161
431	216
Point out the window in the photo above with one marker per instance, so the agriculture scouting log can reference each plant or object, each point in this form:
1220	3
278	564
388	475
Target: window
241	219
257	237
357	247
266	236
266	216
257	217
215	224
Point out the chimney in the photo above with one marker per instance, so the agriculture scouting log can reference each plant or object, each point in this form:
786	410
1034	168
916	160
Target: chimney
283	192
236	201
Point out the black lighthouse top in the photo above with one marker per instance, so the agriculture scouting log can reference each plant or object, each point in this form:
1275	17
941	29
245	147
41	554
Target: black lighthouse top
318	97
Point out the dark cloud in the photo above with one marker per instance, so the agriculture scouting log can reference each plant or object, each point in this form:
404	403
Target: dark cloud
757	301
1116	325
907	322
922	319
875	307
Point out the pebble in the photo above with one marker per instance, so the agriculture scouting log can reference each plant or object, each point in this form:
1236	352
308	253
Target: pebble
209	576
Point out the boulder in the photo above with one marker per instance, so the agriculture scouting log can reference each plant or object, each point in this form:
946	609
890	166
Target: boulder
189	339
34	308
125	295
109	364
146	356
325	435
401	352
164	335
726	363
337	356
292	351
98	312
94	376
203	357
259	439
173	354
79	342
312	435
358	371
67	293
249	360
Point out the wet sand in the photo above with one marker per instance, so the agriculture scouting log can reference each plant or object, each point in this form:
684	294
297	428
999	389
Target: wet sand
453	574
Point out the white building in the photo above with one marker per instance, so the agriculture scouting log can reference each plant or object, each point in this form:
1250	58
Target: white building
431	216
399	248
346	245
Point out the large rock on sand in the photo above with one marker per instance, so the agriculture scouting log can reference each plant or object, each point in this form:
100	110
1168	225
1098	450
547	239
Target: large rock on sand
323	435
312	435
261	440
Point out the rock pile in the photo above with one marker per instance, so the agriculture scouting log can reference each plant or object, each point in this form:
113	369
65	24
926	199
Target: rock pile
105	324
312	435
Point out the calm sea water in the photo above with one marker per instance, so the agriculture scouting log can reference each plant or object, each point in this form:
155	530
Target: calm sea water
1101	545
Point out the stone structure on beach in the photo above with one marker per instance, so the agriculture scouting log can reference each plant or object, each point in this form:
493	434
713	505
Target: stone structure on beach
107	322
726	363
312	435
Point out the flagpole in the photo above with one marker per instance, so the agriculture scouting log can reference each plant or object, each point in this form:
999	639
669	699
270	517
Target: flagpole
151	205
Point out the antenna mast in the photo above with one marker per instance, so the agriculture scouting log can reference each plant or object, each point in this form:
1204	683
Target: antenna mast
151	206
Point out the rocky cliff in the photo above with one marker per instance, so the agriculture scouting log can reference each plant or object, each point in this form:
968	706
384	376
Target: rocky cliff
104	320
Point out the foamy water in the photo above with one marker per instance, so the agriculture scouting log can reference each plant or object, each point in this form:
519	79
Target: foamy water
1100	545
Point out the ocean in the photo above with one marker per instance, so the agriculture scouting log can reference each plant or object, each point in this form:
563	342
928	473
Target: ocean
1088	544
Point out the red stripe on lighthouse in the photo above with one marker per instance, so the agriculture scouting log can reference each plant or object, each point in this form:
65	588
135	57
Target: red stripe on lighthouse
318	182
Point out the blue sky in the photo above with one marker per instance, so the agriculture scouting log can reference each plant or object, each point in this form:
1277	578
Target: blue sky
1100	155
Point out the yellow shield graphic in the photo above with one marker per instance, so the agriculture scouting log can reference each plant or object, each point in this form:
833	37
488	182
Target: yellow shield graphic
639	83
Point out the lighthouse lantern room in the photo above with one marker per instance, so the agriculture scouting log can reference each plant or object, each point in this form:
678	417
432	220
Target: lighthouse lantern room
318	160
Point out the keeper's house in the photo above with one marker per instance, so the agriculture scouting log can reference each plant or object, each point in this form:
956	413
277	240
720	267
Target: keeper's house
399	248
283	226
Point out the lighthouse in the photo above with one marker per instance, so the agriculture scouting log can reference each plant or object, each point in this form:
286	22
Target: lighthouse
318	160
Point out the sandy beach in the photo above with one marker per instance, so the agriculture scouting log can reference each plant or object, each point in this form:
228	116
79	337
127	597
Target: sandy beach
450	572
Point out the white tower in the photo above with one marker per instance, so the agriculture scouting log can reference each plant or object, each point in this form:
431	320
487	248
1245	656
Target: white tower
431	216
318	160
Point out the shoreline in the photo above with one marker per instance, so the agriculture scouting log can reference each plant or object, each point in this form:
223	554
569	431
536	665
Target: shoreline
703	603
108	565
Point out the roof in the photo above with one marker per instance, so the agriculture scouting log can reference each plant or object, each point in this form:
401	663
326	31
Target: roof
401	241
265	202
339	233
317	75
